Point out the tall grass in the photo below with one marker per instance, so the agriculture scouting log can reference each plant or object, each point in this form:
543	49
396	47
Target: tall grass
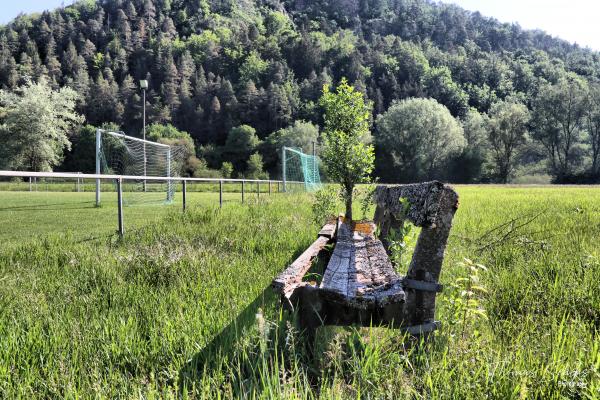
182	309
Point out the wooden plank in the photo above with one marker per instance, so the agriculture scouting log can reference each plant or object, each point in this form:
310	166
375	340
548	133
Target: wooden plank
359	272
336	274
328	230
292	275
296	271
422	285
424	201
377	281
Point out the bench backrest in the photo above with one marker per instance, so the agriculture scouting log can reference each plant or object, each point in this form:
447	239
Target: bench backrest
431	206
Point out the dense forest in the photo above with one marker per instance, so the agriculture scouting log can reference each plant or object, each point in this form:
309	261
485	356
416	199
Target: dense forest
454	95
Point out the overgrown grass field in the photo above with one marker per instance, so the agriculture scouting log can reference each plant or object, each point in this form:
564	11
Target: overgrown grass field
181	307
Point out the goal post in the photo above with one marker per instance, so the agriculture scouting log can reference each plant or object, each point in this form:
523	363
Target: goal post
98	149
283	170
300	167
120	154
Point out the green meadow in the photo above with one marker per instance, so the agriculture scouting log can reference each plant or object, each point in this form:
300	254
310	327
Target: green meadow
181	306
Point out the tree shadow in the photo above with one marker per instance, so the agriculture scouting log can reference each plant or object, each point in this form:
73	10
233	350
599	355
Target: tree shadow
50	206
223	345
227	344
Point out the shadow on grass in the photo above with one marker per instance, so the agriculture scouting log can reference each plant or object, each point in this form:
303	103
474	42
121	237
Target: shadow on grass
51	207
225	346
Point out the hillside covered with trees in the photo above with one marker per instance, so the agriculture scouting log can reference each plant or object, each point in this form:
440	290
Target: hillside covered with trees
454	95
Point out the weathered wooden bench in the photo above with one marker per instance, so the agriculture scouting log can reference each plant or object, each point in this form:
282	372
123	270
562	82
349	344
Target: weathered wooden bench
360	285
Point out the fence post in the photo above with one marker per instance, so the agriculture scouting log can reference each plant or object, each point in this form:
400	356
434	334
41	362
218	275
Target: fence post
269	188
30	189
184	191
243	190
120	206
258	189
220	194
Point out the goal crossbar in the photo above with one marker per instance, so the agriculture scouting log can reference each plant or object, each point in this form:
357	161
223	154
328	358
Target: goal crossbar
122	135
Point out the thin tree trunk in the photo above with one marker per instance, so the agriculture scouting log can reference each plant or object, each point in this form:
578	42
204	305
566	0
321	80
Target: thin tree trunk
349	193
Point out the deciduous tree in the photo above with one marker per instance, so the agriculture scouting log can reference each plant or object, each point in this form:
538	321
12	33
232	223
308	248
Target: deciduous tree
419	134
300	135
507	132
592	122
36	123
558	116
241	143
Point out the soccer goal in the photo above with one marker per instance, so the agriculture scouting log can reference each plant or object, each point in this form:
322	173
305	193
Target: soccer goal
120	154
300	167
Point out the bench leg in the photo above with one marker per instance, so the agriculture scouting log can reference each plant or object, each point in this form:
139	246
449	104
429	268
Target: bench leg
308	307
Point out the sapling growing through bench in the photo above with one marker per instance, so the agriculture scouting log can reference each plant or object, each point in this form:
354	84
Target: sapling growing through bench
347	156
365	195
359	284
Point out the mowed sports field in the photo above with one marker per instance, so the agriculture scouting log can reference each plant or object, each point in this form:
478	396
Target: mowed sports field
55	207
181	307
26	215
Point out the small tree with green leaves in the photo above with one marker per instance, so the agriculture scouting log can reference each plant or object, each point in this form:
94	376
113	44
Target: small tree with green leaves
226	169
347	156
241	143
255	167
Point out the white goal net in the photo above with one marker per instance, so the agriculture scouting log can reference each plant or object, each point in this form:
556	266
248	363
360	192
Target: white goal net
119	154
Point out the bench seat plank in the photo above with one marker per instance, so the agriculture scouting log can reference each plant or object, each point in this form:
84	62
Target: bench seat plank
359	272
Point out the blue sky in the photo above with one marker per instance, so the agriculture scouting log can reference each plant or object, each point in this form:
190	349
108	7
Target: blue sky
573	20
12	8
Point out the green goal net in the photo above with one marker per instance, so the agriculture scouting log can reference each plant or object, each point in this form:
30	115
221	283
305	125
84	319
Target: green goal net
300	170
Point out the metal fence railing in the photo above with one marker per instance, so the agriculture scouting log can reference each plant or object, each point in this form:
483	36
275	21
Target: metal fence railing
30	181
